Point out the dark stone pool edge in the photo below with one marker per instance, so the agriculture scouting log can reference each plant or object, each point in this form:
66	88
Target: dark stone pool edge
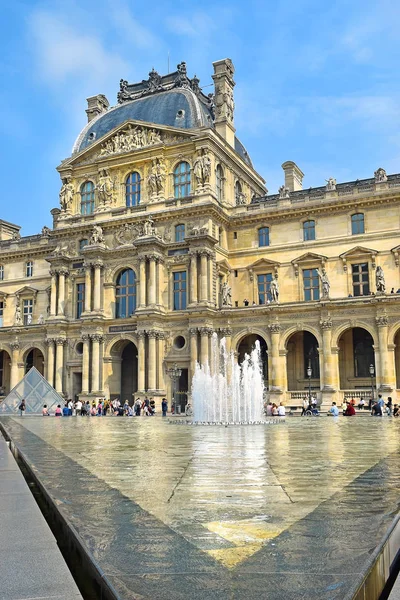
69	541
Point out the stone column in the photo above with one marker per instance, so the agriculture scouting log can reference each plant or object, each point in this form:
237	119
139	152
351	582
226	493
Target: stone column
59	364
61	291
152	366
141	360
88	288
205	333
142	283
203	276
152	281
85	364
53	293
14	364
193	278
160	361
193	350
96	339
328	368
160	281
210	271
226	332
50	361
387	375
97	286
275	385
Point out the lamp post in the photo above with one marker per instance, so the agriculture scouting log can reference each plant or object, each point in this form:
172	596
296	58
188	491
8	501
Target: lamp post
372	373
174	372
309	373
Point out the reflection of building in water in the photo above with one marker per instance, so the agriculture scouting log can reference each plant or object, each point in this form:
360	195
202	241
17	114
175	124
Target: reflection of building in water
165	233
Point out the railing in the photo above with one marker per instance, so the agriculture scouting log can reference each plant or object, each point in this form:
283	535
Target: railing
356	394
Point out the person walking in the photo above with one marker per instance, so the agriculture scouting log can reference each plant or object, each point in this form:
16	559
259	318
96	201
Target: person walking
22	407
78	408
305	407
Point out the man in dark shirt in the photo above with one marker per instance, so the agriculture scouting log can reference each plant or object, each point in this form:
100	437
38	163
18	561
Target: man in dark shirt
376	410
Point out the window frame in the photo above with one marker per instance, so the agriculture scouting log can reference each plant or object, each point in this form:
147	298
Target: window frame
355	223
262	233
82	246
180	233
360	283
27	303
1	272
314	288
87	198
80	299
307	229
182	180
264	288
2	306
133	189
122	300
179	290
29	268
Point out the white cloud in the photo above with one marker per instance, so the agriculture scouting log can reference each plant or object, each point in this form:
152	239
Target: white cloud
134	32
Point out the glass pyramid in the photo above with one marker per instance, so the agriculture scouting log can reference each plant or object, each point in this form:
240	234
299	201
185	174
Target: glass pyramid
36	391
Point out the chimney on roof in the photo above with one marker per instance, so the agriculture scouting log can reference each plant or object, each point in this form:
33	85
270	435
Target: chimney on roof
96	105
223	99
293	176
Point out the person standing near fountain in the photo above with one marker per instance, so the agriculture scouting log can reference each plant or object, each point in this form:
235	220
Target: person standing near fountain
164	407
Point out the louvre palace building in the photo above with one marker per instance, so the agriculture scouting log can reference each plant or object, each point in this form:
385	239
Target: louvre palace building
164	234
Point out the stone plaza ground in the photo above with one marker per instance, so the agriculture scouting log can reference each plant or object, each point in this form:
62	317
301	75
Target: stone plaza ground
293	510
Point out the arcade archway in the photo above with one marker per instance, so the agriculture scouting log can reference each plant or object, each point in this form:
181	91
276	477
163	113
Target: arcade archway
34	358
247	344
5	372
356	355
123	378
303	354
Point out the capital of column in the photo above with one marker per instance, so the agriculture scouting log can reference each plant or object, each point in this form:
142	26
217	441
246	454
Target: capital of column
87	266
326	323
194	331
382	321
97	264
49	341
205	252
85	337
141	334
15	345
53	272
152	333
225	331
206	331
96	337
60	341
275	328
62	271
160	335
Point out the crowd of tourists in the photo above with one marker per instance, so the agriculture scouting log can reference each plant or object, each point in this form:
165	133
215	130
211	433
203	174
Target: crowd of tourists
377	408
273	410
103	408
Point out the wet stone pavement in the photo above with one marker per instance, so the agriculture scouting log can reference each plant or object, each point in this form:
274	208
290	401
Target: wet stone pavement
286	511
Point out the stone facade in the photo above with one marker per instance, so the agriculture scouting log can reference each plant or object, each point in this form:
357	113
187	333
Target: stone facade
309	273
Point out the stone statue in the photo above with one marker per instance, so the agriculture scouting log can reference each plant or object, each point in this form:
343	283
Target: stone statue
330	184
380	175
97	236
226	294
202	168
284	192
66	194
156	177
41	319
29	319
105	188
130	139
324	282
18	315
45	231
148	228
274	290
16	236
380	280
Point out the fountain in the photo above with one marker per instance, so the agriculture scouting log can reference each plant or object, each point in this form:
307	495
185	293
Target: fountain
226	392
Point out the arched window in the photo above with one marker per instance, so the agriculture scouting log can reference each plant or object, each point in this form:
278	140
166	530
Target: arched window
125	294
132	189
179	232
219	177
87	198
357	223
239	196
83	243
182	180
308	231
263	236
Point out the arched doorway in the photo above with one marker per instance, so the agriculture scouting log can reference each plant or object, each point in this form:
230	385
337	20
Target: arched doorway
356	355
34	358
5	373
246	346
123	378
303	354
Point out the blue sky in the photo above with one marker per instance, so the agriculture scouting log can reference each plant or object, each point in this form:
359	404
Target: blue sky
316	82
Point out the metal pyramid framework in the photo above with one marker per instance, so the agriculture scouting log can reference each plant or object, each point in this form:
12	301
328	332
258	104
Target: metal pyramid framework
36	391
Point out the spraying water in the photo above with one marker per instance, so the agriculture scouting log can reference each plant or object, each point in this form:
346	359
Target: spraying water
227	392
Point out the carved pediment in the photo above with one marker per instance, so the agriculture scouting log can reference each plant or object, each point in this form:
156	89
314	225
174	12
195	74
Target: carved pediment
26	291
396	252
358	251
3	298
128	137
262	263
309	257
223	266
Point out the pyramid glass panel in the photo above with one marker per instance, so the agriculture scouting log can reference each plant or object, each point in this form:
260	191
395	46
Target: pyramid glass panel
35	390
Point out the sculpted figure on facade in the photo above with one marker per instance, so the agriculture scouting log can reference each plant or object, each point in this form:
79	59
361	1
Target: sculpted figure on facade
97	236
330	184
202	168
66	194
380	280
149	229
127	234
226	294
324	282
284	192
105	188
274	290
18	315
129	139
41	319
380	175
46	231
156	177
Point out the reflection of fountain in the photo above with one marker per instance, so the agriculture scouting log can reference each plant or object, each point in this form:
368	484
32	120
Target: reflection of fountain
228	392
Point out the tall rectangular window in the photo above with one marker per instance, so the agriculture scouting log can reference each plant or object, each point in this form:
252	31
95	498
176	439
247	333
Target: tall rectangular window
28	310
80	299
1	313
263	236
360	279
357	224
310	284
29	269
180	232
264	284
179	290
309	231
1	272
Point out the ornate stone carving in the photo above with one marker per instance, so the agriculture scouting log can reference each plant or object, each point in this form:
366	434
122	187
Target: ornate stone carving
127	234
66	194
105	190
193	331
16	236
225	331
380	280
156	178
167	234
208	331
49	341
382	321
226	294
324	282
15	345
96	237
330	184
274	290
18	315
132	138
380	175
149	229
326	323
275	328
284	192
202	168
46	231
60	341
197	229
96	337
152	333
